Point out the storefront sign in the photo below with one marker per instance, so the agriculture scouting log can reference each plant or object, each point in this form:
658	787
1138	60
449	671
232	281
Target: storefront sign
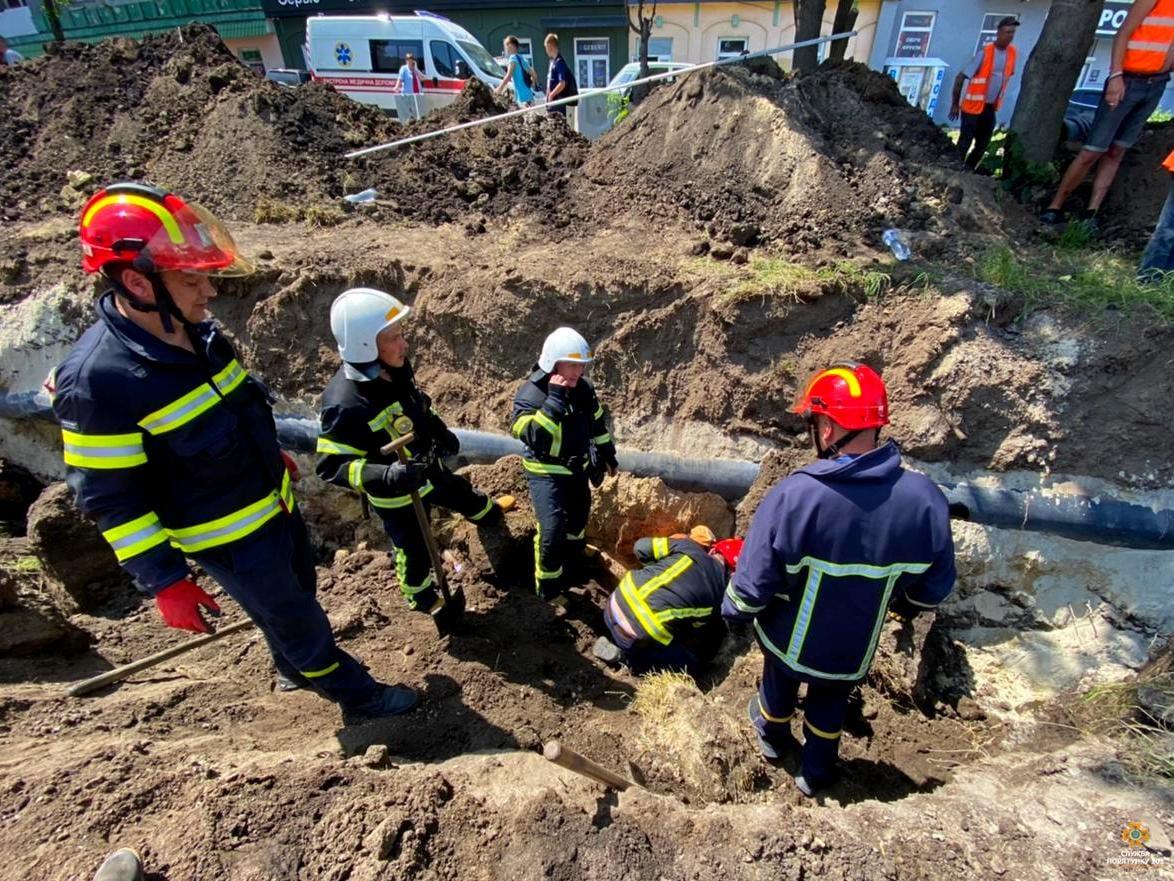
281	8
1112	17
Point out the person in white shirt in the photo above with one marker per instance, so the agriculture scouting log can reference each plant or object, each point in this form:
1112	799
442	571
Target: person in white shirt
408	100
9	56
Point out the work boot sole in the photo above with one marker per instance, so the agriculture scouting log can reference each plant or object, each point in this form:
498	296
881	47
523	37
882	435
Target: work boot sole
123	865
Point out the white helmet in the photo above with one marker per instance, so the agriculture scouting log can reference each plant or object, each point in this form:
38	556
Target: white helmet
356	318
565	344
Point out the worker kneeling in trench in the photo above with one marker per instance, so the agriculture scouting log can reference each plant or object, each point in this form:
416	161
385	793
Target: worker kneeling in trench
832	549
667	614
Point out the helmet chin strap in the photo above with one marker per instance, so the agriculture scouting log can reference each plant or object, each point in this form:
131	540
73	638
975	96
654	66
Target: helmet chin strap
833	449
164	304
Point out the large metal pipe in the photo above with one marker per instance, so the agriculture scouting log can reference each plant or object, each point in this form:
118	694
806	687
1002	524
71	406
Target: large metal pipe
1095	518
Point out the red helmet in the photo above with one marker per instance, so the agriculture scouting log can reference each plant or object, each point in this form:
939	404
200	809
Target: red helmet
155	231
729	549
850	394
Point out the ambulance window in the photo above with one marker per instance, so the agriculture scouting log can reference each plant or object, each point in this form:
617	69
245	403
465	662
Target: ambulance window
387	56
445	59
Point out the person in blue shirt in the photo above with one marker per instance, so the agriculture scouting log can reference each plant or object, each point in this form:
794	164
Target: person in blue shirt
515	73
831	550
559	82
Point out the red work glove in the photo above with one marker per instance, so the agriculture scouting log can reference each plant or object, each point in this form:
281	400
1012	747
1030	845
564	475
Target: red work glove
291	466
179	604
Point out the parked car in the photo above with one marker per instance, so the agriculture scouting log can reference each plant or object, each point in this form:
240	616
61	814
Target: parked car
631	71
287	76
361	55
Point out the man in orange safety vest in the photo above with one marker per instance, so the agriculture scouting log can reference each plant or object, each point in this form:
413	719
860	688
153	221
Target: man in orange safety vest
986	79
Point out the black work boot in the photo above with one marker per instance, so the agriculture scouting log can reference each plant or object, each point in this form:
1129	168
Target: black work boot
284	683
388	700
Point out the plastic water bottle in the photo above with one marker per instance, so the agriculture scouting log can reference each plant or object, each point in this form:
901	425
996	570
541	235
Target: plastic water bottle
897	244
361	198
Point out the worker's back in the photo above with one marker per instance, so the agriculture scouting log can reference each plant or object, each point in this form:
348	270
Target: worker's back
830	548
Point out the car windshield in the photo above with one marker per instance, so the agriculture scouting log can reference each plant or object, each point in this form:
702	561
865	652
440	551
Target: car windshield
482	59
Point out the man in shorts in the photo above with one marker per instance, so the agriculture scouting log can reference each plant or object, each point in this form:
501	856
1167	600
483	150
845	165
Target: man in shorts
1140	71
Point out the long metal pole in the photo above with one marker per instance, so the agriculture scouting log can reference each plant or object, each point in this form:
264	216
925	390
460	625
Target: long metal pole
655	78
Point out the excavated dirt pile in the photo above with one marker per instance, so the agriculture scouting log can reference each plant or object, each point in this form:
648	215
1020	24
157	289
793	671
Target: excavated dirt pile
810	163
179	110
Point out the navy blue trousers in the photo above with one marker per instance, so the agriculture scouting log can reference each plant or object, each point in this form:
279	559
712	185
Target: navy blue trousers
824	709
271	575
562	504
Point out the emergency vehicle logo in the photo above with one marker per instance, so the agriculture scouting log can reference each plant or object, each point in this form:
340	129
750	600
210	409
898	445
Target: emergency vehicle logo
342	54
1135	835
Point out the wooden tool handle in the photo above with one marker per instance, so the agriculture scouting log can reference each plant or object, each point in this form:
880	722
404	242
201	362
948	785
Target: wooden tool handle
120	673
572	761
396	445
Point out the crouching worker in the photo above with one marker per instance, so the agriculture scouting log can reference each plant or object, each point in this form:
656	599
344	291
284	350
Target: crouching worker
372	400
564	428
667	614
831	549
170	444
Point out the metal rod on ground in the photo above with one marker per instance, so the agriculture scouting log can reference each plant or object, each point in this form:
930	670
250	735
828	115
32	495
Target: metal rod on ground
572	761
120	673
672	74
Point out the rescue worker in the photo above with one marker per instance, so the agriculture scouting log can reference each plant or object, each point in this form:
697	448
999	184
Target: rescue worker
832	548
171	445
667	614
564	428
373	399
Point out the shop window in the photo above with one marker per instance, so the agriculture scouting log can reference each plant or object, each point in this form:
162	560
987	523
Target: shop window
990	28
659	49
592	62
731	47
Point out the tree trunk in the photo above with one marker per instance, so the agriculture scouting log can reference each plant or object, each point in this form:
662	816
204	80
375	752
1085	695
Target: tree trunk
808	23
845	20
1050	75
643	27
54	20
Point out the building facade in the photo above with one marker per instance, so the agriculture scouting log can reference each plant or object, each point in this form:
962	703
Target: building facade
593	33
923	44
695	32
242	24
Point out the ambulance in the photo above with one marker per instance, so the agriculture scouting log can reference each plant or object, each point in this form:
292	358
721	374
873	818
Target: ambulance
361	55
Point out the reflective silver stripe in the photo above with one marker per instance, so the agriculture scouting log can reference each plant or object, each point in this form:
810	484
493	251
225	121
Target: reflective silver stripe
104	452
200	540
1159	21
1142	46
176	418
134	538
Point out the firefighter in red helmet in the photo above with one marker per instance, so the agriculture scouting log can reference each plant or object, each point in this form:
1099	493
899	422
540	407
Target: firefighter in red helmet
170	444
831	549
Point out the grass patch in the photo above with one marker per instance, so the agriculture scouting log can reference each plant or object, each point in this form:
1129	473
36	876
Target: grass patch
1076	277
272	211
1119	713
774	276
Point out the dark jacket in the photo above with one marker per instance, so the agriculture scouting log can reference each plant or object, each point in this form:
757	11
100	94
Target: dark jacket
358	419
830	549
170	452
678	590
560	426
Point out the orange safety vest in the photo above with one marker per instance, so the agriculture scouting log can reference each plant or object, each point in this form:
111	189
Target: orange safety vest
975	97
1169	163
1145	53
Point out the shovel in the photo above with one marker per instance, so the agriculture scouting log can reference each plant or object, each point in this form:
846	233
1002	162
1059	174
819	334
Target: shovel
452	610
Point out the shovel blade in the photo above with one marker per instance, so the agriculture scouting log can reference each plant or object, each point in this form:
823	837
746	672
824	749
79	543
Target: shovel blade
449	616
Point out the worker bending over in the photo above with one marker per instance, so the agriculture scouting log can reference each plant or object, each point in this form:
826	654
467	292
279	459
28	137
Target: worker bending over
171	446
667	614
372	400
564	428
831	549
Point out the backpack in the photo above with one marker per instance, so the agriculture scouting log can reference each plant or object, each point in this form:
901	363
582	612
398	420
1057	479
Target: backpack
529	77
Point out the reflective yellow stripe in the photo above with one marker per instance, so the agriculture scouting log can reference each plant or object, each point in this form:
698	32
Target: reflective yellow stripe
401	573
668	575
826	735
544	468
602	439
228	528
660	548
182	411
326	445
398	501
740	603
103	451
229	378
520	424
599	412
769	717
354	474
643	612
480	514
541	574
555	430
287	496
684	612
136	537
386	416
165	217
325	671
